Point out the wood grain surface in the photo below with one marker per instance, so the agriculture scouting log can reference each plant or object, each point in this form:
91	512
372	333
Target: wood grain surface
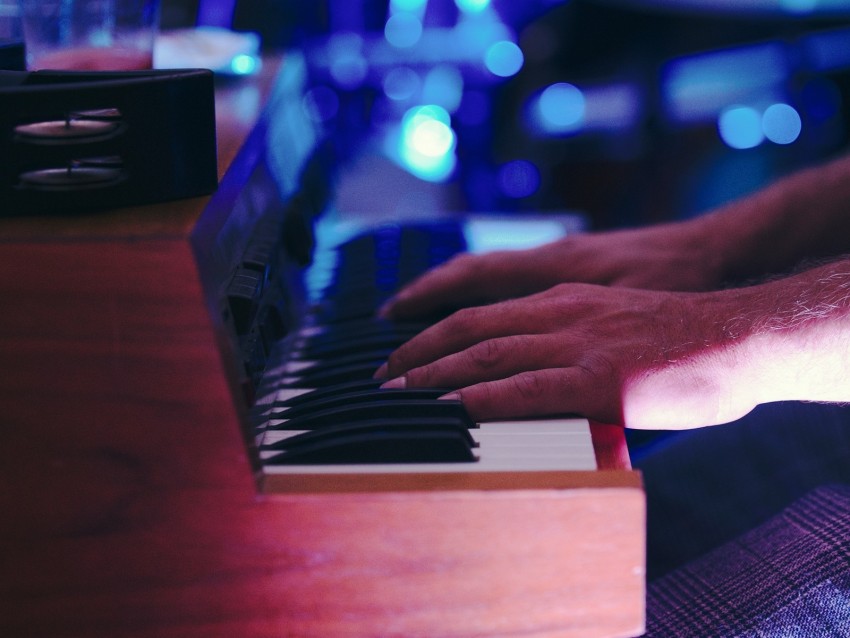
130	507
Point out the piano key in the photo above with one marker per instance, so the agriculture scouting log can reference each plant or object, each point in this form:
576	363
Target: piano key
361	327
353	398
381	441
339	314
562	444
365	271
315	365
341	347
333	376
292	397
374	410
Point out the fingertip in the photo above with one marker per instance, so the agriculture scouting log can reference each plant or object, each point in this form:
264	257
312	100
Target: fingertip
386	309
399	383
381	372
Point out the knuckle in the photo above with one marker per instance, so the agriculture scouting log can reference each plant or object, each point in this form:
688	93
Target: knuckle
480	399
597	366
464	320
422	377
530	385
487	354
397	362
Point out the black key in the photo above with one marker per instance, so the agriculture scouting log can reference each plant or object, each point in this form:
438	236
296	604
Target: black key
340	334
352	398
324	363
342	347
343	313
380	441
372	410
330	391
332	376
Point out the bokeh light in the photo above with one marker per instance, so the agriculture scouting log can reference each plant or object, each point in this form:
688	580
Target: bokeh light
443	86
244	64
740	127
472	6
347	64
518	179
781	123
427	142
321	103
403	29
503	58
560	108
402	83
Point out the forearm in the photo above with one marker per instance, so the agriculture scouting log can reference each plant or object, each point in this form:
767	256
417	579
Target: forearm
798	330
787	339
805	216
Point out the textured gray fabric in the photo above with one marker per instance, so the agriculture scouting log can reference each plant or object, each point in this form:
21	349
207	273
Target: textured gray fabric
789	577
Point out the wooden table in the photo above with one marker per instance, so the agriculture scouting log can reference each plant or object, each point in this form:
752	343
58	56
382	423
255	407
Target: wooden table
130	506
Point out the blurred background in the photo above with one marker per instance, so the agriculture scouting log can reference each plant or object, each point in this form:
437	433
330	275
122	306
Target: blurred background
630	111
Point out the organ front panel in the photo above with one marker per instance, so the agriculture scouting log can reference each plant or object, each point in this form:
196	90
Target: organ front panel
169	455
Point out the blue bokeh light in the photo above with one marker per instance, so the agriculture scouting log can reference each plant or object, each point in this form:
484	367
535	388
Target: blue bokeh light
408	5
347	64
427	142
504	58
443	86
472	6
403	29
781	123
519	178
402	83
321	103
699	87
244	64
740	127
798	6
560	108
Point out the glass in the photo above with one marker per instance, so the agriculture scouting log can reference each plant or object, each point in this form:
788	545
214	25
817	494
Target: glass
90	35
11	37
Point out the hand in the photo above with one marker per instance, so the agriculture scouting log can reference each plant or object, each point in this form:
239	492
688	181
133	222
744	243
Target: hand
645	359
668	257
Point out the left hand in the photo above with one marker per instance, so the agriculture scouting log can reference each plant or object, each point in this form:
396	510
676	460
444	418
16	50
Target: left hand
646	359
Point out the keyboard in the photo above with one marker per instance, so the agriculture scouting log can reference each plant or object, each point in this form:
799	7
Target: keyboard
320	411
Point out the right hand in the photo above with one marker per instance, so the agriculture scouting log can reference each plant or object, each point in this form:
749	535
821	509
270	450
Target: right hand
642	358
664	257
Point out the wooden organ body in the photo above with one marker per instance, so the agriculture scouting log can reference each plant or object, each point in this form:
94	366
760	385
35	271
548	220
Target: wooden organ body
133	501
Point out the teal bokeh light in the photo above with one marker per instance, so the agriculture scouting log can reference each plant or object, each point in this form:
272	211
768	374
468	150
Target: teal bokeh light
781	123
427	142
560	108
504	58
403	29
740	127
472	6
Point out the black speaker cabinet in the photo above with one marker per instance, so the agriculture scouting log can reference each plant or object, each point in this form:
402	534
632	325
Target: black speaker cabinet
82	141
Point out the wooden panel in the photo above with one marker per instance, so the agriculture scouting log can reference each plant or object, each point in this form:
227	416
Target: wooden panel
609	444
130	508
426	565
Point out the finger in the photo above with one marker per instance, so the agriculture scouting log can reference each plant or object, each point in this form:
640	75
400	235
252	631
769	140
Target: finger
446	286
488	360
464	280
459	331
548	392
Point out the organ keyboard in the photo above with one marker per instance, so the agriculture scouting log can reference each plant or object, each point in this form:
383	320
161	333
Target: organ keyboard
354	427
149	355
